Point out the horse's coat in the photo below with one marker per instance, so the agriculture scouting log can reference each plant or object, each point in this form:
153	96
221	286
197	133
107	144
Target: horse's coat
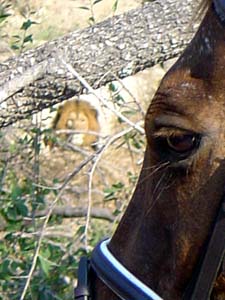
163	231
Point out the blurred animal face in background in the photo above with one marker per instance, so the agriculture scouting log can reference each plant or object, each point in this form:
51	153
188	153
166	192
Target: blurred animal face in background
81	117
78	121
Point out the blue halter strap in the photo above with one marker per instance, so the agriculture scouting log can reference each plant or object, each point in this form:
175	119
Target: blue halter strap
219	6
121	281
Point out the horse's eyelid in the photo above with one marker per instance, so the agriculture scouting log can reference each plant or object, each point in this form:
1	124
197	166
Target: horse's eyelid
166	132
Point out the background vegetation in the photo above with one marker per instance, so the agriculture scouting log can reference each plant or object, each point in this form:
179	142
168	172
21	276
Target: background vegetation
39	248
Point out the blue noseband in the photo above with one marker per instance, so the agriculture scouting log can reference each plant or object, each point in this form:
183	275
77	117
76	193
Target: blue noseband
121	281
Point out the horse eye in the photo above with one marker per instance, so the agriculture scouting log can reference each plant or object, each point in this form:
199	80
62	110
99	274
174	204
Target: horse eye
182	143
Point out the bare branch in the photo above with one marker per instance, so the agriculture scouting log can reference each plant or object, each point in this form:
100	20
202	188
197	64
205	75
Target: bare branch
45	224
122	45
101	99
77	212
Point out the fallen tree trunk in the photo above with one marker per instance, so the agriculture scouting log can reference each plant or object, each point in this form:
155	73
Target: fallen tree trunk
122	45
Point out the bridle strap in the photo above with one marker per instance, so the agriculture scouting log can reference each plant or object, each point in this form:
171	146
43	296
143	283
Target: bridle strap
82	291
118	279
202	283
219	6
212	260
128	287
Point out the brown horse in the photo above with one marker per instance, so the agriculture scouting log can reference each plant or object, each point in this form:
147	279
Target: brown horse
167	223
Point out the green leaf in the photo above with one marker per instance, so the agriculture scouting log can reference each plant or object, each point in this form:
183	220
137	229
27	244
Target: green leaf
3	17
110	193
36	130
91	20
13	47
137	143
11	214
113	87
118	185
46	252
16	192
80	230
16	36
115	5
26	244
27	24
22	209
5	270
129	112
109	196
28	38
45	264
96	1
84	7
116	212
119	99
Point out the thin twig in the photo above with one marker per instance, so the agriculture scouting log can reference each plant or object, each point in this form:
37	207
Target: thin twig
42	231
110	141
73	131
101	99
104	147
130	94
90	178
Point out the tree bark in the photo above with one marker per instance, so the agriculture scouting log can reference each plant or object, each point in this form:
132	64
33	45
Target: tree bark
122	45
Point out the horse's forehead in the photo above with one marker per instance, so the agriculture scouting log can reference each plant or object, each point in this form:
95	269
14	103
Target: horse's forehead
200	102
179	86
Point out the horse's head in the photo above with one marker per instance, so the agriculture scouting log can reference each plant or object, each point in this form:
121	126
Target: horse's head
182	180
